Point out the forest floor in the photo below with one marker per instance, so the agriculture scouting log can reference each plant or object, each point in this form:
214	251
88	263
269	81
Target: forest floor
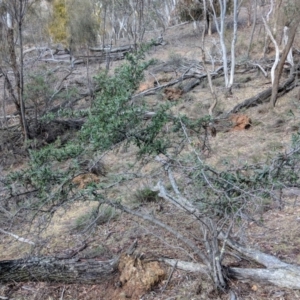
270	133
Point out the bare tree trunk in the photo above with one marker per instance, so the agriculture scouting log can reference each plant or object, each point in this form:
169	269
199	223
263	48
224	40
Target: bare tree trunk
211	87
277	52
206	19
141	19
276	13
4	104
276	272
19	100
18	10
253	27
104	25
233	42
284	276
278	71
221	31
89	83
22	9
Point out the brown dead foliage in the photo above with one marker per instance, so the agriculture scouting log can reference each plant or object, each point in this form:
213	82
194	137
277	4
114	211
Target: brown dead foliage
173	93
137	277
84	179
240	122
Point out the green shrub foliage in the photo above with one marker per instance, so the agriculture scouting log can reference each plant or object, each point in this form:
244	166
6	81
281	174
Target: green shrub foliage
115	116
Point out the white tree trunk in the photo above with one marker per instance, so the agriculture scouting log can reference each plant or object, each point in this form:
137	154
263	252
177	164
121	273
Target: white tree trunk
289	58
270	11
233	42
221	29
8	20
277	52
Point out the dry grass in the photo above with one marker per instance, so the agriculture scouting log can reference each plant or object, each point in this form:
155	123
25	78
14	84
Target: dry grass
266	137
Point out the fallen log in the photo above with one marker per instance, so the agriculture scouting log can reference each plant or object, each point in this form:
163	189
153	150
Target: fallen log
282	277
125	48
87	271
190	85
264	96
66	269
287	276
277	272
93	271
196	79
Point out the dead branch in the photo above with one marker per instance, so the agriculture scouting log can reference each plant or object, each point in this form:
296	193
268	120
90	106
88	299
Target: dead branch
18	238
265	95
261	68
212	90
59	85
277	272
124	48
188	87
155	221
169	278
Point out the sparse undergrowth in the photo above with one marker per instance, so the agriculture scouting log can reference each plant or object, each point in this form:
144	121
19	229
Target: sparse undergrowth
241	190
95	217
146	195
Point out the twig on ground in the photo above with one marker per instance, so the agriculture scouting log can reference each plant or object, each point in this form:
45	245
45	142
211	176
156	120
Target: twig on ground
169	278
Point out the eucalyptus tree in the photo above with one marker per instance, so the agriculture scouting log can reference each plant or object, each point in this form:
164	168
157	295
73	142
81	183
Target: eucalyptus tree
12	58
281	17
219	10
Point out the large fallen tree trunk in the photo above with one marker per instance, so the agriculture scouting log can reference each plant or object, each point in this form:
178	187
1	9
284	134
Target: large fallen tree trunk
265	95
276	272
125	48
87	271
195	80
92	271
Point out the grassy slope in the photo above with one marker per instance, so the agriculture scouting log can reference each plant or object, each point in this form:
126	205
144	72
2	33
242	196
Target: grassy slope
267	136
